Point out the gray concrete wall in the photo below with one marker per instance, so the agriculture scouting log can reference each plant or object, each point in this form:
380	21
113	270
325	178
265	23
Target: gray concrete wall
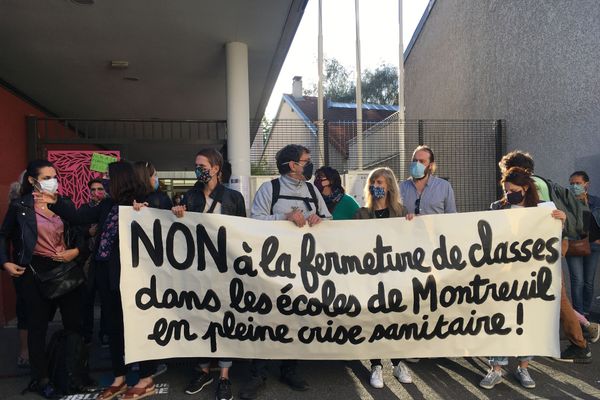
534	63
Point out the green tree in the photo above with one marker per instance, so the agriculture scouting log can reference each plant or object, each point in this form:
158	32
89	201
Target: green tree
378	87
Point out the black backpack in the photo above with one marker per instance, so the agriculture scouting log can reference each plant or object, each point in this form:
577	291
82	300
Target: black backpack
307	200
68	368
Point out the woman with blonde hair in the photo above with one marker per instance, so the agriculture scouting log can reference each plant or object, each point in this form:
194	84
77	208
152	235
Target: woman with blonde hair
382	200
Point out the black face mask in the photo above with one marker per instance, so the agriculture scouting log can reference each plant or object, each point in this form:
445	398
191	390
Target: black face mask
514	198
307	172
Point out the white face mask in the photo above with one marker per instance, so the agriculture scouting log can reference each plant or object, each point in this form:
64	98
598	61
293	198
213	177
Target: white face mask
49	185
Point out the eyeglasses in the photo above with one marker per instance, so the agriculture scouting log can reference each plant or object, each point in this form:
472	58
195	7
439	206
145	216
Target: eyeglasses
418	206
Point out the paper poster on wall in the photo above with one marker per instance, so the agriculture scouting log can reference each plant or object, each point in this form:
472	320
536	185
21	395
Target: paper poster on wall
74	172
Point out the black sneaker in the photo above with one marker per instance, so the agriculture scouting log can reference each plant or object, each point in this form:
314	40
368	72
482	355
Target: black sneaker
199	383
295	382
224	389
254	385
576	355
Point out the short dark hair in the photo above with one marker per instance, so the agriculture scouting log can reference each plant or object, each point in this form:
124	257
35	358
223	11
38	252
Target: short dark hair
516	158
33	170
92	181
583	174
291	152
333	176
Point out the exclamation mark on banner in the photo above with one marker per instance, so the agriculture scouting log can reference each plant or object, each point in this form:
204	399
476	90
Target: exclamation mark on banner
520	318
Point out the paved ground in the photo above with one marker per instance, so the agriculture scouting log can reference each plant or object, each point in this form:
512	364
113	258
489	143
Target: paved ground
440	378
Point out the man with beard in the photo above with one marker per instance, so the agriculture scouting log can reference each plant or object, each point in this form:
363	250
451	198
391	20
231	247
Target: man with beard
423	193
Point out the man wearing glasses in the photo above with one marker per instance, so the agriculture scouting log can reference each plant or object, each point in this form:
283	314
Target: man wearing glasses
423	193
290	197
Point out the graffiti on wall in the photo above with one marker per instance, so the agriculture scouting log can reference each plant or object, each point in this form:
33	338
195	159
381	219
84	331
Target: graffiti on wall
73	168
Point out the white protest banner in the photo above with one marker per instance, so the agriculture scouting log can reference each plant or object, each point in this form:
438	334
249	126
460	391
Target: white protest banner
454	285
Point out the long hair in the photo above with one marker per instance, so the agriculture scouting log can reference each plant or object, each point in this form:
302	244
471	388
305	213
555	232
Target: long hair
124	183
144	171
520	177
33	170
393	191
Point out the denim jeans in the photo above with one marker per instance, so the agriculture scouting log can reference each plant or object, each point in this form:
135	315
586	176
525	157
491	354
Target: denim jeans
504	360
582	271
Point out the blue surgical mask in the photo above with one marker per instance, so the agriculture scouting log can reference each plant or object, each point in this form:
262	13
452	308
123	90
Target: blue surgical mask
156	184
577	189
377	192
417	170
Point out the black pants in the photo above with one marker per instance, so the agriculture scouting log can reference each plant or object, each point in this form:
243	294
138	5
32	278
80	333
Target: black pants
89	300
375	362
259	367
111	303
39	311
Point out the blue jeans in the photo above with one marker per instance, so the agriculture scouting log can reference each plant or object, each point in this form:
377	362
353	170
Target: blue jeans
583	271
504	360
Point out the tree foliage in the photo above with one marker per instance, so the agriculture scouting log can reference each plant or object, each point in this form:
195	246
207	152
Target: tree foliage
379	86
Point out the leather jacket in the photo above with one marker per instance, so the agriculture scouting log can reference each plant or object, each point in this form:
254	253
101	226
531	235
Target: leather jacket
20	229
232	201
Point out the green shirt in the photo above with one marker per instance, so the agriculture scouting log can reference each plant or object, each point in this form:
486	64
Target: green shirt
542	188
346	208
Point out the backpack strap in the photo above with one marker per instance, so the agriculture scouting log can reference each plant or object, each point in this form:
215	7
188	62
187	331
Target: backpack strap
275	192
313	194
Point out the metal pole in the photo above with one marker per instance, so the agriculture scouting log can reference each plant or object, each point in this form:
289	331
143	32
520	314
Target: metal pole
320	125
359	138
401	115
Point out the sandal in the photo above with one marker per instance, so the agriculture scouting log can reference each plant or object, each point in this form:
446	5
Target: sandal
139	393
112	392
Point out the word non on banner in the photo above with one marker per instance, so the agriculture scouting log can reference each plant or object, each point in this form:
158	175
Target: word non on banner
454	285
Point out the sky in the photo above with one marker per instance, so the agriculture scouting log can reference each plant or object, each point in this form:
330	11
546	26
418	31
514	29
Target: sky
378	34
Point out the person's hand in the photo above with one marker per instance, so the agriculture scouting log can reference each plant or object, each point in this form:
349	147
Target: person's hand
296	217
409	217
138	206
66	256
13	269
559	214
45	197
178	211
313	219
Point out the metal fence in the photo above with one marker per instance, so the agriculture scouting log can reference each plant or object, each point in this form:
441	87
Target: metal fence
466	151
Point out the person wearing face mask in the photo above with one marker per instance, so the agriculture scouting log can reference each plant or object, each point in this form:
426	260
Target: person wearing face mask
519	191
382	200
339	204
97	194
583	268
290	197
424	193
209	195
155	198
40	241
579	351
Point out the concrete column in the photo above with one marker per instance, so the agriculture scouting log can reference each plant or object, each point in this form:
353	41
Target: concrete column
238	109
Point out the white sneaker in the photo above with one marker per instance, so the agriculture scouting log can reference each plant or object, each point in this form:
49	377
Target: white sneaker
402	373
377	377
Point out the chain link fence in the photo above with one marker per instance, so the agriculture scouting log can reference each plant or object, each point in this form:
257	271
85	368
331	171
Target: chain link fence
466	151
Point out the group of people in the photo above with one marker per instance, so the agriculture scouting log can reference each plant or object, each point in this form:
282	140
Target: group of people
42	231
